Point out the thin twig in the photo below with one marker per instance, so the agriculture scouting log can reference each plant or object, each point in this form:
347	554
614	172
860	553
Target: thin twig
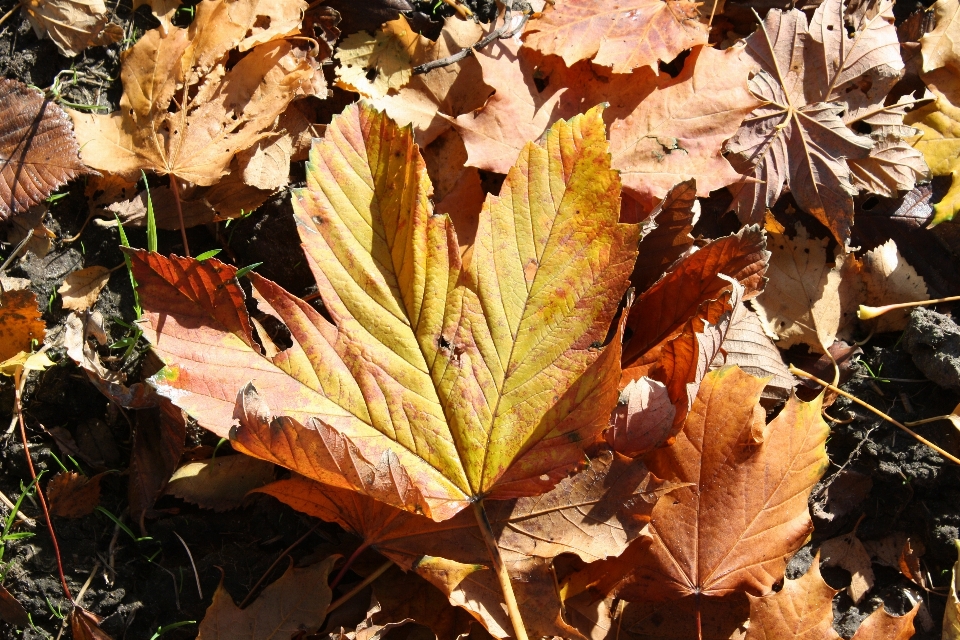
360	587
7	15
30	522
16	252
503	577
192	564
266	573
20	378
867	313
347	564
803	374
83	227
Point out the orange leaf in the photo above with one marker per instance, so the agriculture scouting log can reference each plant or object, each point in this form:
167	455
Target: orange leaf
72	495
20	322
746	511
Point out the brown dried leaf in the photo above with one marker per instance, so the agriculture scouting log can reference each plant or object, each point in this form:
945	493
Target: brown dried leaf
847	552
38	150
666	235
73	25
373	66
622	35
20	322
402	595
72	495
221	483
11	611
158	443
86	625
298	600
888	279
644	417
746	345
31	222
81	289
951	615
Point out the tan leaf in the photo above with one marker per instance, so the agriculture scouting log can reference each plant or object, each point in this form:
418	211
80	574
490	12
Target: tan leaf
747	346
678	131
20	323
847	552
219	484
81	288
951	615
803	609
163	10
72	495
73	25
298	600
888	279
266	165
941	47
226	110
622	35
804	301
38	150
880	625
644	417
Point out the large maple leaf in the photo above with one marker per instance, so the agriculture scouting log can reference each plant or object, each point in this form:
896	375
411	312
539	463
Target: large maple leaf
818	83
622	35
436	383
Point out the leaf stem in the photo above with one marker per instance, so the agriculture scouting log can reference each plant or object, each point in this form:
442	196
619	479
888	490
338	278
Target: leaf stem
360	587
519	631
20	378
867	313
176	198
803	374
346	565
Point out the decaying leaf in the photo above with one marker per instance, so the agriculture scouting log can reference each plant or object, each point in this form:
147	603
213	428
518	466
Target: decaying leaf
803	609
219	484
187	109
951	615
404	595
86	625
72	495
375	65
847	552
819	83
81	289
20	323
746	345
744	513
33	223
532	315
11	611
163	10
622	35
807	301
297	600
38	150
888	279
158	442
73	25
677	132
666	234
644	417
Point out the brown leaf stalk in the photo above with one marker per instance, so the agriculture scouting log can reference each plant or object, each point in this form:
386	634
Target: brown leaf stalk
803	374
503	577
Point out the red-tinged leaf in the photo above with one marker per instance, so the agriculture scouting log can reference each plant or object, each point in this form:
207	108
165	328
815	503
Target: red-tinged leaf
11	611
661	311
746	511
672	221
72	495
86	625
20	322
38	150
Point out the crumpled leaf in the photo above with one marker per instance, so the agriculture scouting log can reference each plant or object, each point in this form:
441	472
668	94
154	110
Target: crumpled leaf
73	25
746	511
593	514
221	483
666	234
678	131
297	600
72	495
226	110
375	65
81	289
819	83
803	609
806	301
20	323
746	345
533	317
622	35
38	150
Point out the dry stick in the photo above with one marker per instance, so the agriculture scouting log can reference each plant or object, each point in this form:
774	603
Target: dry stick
266	573
192	564
176	199
866	313
346	565
30	522
360	587
19	381
519	631
83	228
803	374
7	15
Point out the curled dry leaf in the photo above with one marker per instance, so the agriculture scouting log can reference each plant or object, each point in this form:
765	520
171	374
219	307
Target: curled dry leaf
298	600
185	111
81	289
434	347
38	150
622	35
221	483
806	301
73	25
20	323
86	625
819	83
72	495
745	509
803	609
666	234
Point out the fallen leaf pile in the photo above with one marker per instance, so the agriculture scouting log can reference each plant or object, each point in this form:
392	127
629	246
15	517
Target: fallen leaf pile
529	361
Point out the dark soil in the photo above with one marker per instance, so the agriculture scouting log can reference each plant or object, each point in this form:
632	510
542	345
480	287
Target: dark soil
142	585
